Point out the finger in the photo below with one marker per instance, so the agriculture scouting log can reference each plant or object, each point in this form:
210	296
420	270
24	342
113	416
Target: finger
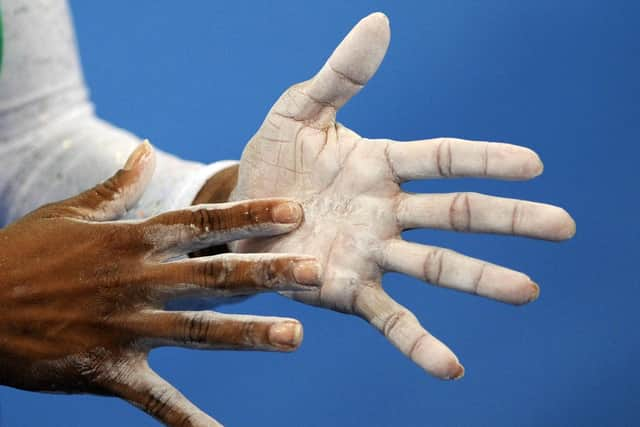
449	157
216	331
347	70
143	388
404	331
113	197
475	212
234	274
201	226
449	269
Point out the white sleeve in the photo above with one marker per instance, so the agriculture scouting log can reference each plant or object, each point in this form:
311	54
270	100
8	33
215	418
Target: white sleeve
52	145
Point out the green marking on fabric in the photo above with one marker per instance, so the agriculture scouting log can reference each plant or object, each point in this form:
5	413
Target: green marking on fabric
1	39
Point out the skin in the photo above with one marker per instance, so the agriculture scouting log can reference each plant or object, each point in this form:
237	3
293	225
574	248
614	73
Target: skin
82	295
355	209
85	313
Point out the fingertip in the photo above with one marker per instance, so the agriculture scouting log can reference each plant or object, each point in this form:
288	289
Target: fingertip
147	144
377	23
538	166
286	335
452	370
527	293
533	166
142	154
359	55
436	358
534	291
287	213
565	225
570	228
458	372
141	165
379	18
523	293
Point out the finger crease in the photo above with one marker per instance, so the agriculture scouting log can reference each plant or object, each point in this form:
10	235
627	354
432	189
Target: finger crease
417	345
390	163
450	163
439	264
439	158
186	421
433	259
485	161
391	322
515	217
346	77
478	280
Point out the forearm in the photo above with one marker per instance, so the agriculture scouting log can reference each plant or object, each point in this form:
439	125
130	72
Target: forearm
51	144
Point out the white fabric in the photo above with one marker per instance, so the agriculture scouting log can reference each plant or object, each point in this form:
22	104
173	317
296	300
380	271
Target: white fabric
52	146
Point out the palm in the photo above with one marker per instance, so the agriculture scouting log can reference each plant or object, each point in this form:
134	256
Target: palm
355	209
324	169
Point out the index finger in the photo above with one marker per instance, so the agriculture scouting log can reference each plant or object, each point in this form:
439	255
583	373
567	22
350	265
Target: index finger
206	225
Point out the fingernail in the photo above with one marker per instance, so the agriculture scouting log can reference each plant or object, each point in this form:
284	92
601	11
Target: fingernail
535	291
286	334
307	273
287	213
538	167
138	155
459	373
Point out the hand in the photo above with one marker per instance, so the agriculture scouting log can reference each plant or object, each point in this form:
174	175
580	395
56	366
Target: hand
82	295
355	209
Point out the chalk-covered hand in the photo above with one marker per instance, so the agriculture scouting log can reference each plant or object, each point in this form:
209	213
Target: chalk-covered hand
82	296
355	209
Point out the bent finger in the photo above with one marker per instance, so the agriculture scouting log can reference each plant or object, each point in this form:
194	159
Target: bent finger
449	269
473	212
451	157
113	197
404	331
201	226
215	331
234	274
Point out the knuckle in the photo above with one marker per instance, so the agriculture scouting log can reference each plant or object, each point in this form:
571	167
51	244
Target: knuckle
443	157
203	220
249	333
460	212
264	273
433	265
516	217
127	239
392	322
418	345
254	213
195	328
211	273
158	401
187	420
112	187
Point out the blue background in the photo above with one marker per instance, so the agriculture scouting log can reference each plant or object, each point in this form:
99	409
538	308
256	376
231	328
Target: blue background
561	77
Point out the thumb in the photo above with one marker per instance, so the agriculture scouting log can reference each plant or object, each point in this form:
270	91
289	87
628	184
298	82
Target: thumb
348	69
113	197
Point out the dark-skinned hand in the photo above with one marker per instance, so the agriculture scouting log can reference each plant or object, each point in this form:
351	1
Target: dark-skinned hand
82	295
